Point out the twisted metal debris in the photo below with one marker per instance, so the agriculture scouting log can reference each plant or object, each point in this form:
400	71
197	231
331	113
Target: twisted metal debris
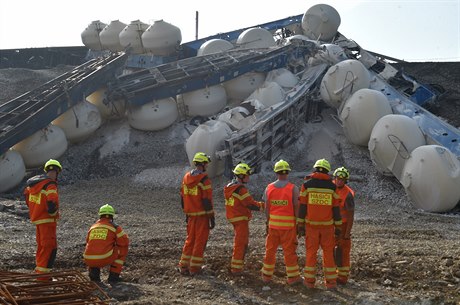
67	287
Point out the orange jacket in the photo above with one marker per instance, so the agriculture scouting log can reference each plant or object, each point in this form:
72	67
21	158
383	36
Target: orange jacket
280	207
321	200
196	193
103	237
346	204
42	198
238	202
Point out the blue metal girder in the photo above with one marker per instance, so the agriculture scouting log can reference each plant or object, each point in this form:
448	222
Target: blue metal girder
28	113
199	72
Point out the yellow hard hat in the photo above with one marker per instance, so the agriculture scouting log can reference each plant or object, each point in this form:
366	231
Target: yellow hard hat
52	164
342	172
281	166
323	163
201	157
242	169
106	209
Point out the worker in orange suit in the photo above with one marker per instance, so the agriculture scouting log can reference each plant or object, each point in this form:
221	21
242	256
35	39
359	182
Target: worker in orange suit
238	205
281	206
347	211
319	215
106	245
197	204
42	198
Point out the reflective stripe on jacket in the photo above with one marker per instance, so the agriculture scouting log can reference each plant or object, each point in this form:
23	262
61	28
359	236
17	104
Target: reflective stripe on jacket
102	238
42	198
237	201
343	194
195	189
280	207
320	197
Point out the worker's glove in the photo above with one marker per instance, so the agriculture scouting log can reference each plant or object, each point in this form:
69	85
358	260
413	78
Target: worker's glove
266	228
186	219
212	222
262	205
337	232
300	230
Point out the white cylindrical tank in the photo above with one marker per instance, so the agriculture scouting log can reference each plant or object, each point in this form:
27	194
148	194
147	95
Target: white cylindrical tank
255	38
283	77
208	138
12	170
108	109
110	36
161	38
242	86
269	94
153	116
214	46
342	80
360	113
79	122
47	143
90	36
321	22
431	177
131	36
392	139
205	102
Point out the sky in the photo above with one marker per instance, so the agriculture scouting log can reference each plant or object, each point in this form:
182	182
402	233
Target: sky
412	30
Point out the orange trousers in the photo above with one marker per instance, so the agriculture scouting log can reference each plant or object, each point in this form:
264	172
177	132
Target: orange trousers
343	270
288	241
112	260
45	235
197	236
240	244
315	237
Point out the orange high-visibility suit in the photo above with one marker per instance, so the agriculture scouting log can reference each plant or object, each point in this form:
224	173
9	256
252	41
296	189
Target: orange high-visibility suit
106	244
42	198
347	207
196	194
319	207
238	206
281	209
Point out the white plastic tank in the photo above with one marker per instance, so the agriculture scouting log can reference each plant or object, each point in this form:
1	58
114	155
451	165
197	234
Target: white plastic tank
209	138
107	108
12	170
110	36
90	36
392	139
47	143
342	80
242	86
283	77
161	38
131	36
360	113
205	102
255	38
269	94
214	46
79	122
431	178
321	22
153	116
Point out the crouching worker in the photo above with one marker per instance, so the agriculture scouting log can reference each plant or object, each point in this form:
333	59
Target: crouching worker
238	205
106	244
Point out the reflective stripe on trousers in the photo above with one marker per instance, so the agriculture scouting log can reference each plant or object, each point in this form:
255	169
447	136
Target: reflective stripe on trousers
240	243
195	243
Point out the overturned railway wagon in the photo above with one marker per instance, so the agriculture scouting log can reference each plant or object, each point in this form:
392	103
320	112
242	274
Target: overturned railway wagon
247	92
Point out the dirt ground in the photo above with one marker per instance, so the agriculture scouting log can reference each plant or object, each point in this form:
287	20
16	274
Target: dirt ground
400	255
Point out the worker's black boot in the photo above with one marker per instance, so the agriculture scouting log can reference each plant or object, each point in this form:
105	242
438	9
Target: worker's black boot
95	274
114	278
